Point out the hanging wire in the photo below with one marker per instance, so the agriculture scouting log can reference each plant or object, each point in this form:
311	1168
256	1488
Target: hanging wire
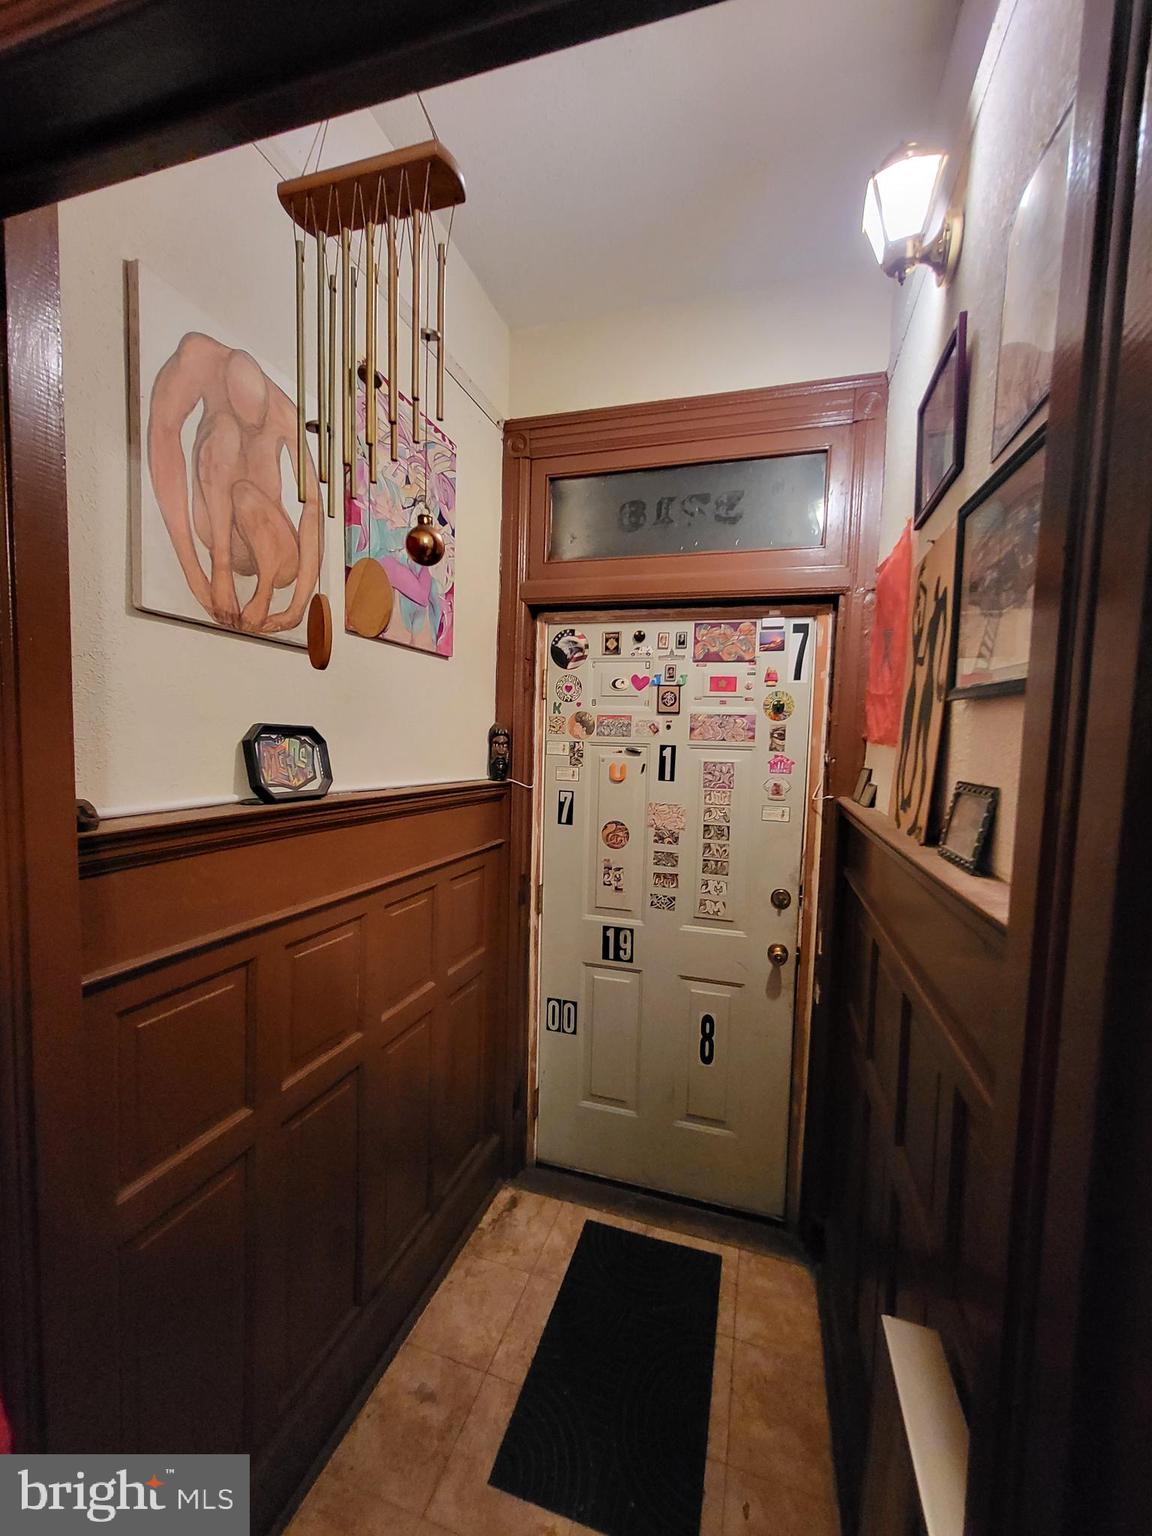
427	117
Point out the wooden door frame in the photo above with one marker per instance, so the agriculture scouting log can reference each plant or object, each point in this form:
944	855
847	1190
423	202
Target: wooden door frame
689	430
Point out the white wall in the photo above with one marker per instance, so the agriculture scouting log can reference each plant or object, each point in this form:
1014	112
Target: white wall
1025	82
739	342
160	705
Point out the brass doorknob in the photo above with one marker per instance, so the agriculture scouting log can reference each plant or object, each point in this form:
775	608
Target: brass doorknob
777	953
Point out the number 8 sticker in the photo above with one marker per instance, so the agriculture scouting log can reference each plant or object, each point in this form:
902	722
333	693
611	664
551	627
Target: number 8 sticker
707	1040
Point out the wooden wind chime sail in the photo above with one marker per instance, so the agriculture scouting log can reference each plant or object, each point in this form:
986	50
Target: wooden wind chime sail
365	212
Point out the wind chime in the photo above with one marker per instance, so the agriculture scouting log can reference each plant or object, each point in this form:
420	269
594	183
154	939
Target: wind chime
358	218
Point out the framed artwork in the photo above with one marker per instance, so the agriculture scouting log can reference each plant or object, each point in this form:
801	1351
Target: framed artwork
863	784
999	529
287	762
219	535
399	601
942	422
925	687
969	823
1031	287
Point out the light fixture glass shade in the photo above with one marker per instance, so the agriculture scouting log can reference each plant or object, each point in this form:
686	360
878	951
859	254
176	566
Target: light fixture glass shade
898	203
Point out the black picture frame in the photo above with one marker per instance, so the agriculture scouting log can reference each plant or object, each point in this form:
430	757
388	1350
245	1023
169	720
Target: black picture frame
256	765
1023	559
968	825
951	370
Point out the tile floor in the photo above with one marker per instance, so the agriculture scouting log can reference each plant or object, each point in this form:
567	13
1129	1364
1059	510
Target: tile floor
416	1460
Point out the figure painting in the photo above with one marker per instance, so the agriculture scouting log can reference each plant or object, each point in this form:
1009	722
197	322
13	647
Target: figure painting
421	614
220	536
925	687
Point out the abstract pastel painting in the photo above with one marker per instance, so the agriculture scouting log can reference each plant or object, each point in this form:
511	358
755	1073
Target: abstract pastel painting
219	535
421	608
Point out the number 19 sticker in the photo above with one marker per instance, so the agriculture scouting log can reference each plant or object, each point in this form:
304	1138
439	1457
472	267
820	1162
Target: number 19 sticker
616	944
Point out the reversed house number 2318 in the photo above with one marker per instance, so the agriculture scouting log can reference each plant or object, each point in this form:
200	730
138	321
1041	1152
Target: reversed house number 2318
724	509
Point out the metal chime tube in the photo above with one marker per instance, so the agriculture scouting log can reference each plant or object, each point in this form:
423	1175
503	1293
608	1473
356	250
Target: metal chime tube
335	478
393	336
351	380
301	431
321	357
370	352
417	232
346	361
441	262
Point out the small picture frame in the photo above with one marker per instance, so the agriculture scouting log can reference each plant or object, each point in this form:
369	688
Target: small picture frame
997	545
671	672
667	698
680	640
287	762
942	424
968	825
610	645
664	640
863	782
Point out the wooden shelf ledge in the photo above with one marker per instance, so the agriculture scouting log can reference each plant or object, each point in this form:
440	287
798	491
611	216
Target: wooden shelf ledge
987	897
126	841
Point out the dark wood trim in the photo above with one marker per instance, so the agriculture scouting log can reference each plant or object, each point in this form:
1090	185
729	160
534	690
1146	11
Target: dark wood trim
122	87
41	1006
1070	1433
130	842
674	431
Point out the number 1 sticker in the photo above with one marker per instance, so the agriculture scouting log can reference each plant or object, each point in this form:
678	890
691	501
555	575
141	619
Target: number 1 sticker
666	771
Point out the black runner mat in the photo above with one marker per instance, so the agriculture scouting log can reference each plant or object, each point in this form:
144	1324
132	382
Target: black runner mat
611	1426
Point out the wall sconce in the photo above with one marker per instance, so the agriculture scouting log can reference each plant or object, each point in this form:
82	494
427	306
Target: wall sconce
898	204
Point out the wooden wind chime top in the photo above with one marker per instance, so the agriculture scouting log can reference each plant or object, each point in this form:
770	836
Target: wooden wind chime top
422	177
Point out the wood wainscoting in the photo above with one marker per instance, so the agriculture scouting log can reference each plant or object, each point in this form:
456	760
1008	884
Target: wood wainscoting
294	1075
921	1082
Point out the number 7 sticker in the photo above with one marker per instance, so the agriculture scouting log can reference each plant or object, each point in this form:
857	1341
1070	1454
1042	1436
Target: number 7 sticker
800	633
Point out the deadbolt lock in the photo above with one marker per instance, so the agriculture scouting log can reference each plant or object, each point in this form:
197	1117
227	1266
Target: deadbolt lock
781	899
778	953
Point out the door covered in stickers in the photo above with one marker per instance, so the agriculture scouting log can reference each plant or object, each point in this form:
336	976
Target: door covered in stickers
675	786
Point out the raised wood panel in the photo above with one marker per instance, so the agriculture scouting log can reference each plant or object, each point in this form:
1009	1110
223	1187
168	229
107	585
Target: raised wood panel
324	987
397	1149
460	1062
320	1221
916	1218
295	1114
184	1065
407	938
184	1325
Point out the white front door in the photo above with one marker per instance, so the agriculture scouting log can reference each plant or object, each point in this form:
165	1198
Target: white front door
675	784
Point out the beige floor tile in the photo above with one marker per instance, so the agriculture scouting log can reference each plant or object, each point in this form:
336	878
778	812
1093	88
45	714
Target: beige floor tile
776	1307
466	1318
760	1506
514	1229
522	1334
565	1234
398	1446
730	1261
712	1518
336	1508
778	1422
464	1502
721	1399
